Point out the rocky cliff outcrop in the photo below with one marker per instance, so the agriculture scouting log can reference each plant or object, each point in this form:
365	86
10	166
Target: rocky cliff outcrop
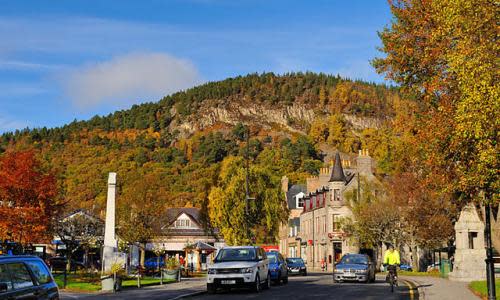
291	118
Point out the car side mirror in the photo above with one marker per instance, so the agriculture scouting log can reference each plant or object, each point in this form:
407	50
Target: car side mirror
3	287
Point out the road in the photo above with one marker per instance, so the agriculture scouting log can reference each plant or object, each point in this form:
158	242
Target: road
320	286
313	286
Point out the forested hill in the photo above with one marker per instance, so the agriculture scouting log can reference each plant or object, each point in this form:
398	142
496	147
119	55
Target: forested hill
178	143
319	92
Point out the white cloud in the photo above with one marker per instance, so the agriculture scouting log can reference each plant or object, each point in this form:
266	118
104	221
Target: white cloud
7	124
129	79
25	65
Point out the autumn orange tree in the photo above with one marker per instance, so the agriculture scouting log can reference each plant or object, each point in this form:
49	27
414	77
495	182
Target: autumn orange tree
444	54
28	195
423	213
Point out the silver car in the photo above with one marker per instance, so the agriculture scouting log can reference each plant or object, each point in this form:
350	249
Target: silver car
354	267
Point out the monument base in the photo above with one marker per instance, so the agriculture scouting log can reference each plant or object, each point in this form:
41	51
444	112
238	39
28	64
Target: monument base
469	265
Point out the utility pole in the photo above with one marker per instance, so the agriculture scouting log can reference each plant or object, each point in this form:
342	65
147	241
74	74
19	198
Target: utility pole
490	268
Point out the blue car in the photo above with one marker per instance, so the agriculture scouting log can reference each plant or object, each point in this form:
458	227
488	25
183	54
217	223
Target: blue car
405	267
152	263
277	267
296	265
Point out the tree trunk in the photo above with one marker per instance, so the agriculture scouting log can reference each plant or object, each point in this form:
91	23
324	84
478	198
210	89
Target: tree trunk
143	254
86	259
414	257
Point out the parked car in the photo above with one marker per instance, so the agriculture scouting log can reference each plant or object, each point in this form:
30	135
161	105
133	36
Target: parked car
405	267
59	263
277	267
152	263
26	277
296	265
240	266
354	267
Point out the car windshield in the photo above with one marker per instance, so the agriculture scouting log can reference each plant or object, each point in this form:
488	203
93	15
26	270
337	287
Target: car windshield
273	258
354	259
236	254
295	260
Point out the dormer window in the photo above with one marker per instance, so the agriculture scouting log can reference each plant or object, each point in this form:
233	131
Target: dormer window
299	200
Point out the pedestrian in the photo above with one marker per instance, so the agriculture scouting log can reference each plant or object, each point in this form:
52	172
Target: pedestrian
181	261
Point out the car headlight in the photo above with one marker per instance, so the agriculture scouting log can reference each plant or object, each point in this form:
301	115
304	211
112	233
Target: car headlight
212	271
247	270
302	268
339	270
361	271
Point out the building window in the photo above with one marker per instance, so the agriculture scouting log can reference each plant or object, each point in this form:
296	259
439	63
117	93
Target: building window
335	223
183	223
336	194
324	223
317	224
300	201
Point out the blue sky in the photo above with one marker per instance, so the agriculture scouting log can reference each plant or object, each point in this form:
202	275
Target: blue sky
65	60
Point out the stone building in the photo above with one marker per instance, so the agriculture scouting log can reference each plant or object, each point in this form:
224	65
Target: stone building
326	203
182	229
290	244
469	253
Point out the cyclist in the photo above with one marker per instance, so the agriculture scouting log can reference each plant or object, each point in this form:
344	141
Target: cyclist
391	259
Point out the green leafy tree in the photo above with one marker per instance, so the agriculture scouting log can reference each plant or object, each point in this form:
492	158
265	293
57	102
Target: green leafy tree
227	204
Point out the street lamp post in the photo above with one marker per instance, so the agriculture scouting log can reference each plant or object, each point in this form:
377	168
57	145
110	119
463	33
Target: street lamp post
490	268
247	184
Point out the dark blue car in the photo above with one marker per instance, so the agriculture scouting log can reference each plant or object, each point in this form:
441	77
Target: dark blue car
26	277
277	267
152	263
296	265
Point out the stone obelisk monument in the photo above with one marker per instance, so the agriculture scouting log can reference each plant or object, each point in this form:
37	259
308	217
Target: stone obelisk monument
110	250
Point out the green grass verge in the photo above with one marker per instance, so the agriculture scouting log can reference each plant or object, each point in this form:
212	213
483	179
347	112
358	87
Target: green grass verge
92	283
146	281
480	288
79	282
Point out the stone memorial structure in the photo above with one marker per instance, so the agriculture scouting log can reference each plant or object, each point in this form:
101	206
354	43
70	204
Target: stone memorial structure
110	243
470	253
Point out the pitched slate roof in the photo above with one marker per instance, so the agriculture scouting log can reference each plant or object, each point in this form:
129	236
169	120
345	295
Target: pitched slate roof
173	213
338	171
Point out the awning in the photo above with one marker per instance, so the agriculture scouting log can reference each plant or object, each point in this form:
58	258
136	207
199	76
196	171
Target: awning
199	245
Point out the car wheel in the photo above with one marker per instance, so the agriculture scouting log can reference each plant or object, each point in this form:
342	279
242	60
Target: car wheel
305	273
278	280
256	285
211	288
268	281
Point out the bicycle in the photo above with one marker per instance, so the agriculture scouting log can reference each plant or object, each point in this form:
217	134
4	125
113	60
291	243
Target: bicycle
392	276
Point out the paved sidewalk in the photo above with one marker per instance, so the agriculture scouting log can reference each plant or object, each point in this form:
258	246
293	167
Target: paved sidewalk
434	288
176	290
